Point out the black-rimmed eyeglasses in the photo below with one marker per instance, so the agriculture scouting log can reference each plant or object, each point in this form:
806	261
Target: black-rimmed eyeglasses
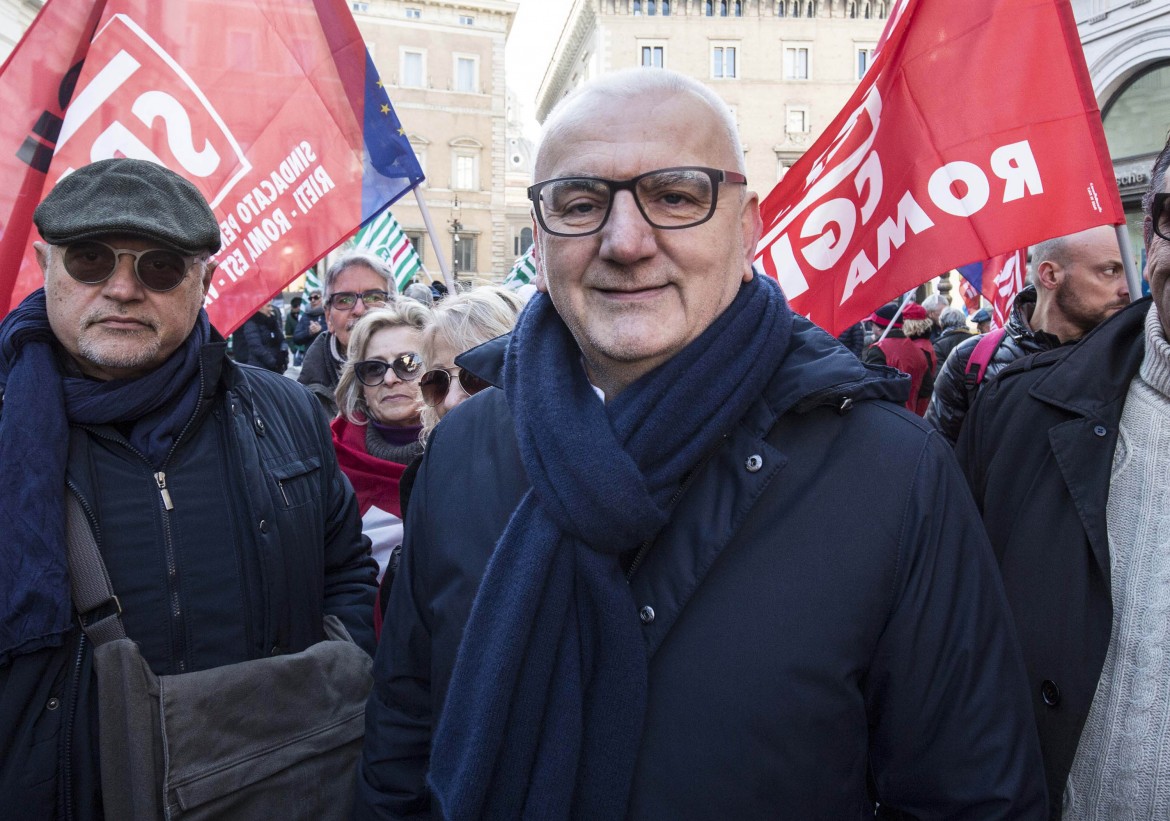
372	372
1160	215
680	197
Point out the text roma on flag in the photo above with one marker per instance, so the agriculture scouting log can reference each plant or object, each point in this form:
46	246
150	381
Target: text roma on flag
280	121
964	141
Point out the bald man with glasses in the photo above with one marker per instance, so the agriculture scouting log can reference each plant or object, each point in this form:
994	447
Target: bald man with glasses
645	576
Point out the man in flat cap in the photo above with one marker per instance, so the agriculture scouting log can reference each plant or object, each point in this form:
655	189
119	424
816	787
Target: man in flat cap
211	490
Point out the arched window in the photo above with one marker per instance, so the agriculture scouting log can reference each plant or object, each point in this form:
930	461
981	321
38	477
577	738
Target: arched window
738	8
722	8
868	13
811	9
852	10
637	8
796	8
1133	117
665	8
707	9
651	8
781	10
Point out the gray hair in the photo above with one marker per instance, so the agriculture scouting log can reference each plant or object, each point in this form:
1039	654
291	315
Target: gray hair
358	258
405	313
934	301
628	84
1157	185
463	321
419	293
952	318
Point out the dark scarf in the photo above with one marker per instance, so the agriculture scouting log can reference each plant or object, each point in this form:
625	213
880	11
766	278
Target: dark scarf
544	713
39	405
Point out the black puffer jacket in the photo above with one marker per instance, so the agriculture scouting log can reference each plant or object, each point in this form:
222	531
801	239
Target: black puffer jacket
951	400
262	539
806	627
946	342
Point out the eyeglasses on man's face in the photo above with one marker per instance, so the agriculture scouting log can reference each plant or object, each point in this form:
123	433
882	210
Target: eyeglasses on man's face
1160	215
158	269
346	300
680	197
372	372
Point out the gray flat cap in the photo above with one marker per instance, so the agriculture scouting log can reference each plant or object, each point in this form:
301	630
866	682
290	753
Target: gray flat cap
132	197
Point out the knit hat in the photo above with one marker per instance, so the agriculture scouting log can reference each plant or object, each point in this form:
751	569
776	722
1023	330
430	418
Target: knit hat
132	197
914	311
882	316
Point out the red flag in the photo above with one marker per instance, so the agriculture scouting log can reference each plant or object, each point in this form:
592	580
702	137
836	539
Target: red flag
280	121
1003	278
946	153
971	297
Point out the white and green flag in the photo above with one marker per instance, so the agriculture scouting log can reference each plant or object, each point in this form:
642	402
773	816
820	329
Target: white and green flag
383	237
523	272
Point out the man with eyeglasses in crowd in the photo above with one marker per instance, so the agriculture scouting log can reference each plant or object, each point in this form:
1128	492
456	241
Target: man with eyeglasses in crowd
354	283
212	490
666	589
1068	456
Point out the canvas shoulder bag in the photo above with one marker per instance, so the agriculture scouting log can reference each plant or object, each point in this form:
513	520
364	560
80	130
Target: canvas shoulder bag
271	738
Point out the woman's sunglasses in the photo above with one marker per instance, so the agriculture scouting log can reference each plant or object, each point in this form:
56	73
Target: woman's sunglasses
158	269
435	384
372	372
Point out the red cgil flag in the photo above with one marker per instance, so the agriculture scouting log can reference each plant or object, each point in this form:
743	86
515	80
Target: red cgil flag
948	152
999	280
279	119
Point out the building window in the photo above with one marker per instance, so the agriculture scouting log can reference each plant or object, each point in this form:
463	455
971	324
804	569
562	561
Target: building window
651	7
523	242
708	8
653	56
361	8
467	73
796	121
867	12
723	62
466	173
796	63
464	20
782	9
637	8
413	71
665	8
864	60
416	242
811	9
463	253
737	9
796	9
413	14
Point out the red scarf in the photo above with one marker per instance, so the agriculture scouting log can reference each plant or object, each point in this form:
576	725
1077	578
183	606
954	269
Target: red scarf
374	480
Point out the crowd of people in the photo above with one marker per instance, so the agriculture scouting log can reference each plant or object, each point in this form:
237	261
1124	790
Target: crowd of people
648	546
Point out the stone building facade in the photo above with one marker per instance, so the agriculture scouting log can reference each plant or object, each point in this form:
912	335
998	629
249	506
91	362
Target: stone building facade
784	67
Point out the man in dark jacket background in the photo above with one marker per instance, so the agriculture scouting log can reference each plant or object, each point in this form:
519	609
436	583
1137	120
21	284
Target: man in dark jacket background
649	601
1077	281
212	491
954	332
263	340
1068	454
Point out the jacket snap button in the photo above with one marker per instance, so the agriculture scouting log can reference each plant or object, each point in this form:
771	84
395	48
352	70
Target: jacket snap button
53	704
646	614
1100	430
754	463
263	525
275	651
1050	693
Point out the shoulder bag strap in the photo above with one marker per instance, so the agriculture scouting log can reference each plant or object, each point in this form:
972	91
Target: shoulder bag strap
97	607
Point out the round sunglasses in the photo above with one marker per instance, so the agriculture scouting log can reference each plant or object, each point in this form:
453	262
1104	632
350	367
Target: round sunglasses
437	383
158	269
372	372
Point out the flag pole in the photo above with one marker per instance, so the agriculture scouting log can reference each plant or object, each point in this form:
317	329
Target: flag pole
426	215
897	313
1132	278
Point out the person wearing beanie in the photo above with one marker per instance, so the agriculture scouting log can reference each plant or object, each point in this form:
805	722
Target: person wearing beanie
913	356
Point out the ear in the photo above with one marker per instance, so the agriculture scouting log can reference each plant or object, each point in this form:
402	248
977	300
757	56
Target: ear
1049	275
541	281
211	266
42	251
752	228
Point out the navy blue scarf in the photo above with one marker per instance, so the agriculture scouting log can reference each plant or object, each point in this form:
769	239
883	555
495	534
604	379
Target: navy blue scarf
39	405
544	713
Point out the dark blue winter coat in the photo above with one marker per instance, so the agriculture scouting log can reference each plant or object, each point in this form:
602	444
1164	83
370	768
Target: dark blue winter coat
262	541
823	612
